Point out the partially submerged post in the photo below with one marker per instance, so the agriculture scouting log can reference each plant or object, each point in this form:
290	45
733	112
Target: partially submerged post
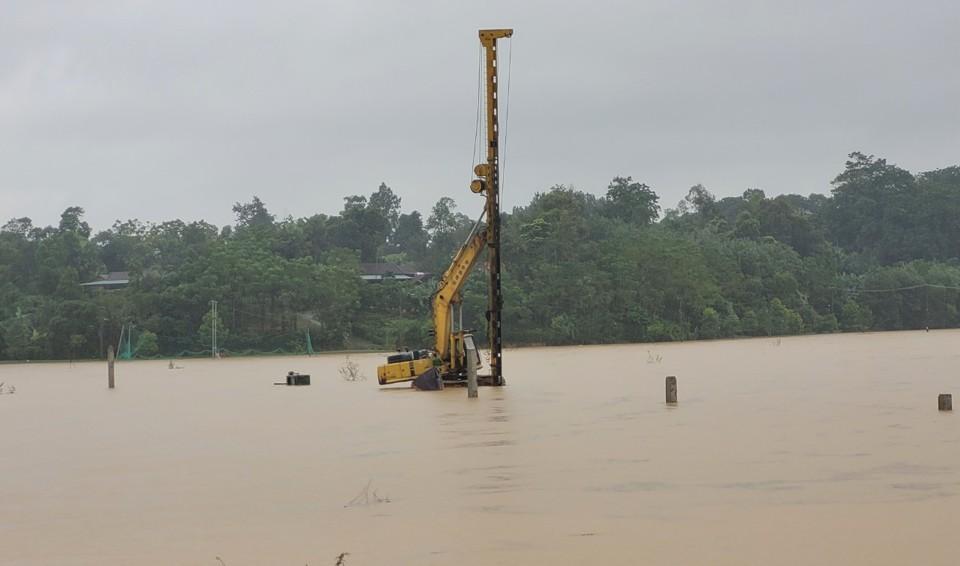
110	362
945	402
671	389
471	354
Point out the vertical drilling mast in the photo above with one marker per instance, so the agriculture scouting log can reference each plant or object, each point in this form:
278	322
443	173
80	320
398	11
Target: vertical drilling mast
491	175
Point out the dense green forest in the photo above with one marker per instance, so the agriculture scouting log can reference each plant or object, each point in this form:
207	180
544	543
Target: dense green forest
880	252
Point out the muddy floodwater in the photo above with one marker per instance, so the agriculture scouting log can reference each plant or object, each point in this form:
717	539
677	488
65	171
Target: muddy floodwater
805	450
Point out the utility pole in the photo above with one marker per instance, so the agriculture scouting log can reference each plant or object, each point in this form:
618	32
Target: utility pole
213	329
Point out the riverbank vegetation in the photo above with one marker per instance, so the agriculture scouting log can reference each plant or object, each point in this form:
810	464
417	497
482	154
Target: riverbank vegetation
880	252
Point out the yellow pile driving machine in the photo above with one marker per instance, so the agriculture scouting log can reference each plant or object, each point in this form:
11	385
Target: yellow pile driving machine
448	356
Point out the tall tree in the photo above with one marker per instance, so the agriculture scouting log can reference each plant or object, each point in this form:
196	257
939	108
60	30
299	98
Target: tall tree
252	214
870	208
386	204
411	238
631	201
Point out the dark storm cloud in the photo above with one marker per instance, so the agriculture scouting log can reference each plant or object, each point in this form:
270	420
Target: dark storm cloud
158	110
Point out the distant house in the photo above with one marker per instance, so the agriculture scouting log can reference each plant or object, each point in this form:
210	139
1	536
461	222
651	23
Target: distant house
112	280
394	271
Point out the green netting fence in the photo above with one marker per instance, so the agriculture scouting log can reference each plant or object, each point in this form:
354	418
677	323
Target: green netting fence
129	348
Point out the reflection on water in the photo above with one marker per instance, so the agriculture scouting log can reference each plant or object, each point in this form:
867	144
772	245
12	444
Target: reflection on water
774	444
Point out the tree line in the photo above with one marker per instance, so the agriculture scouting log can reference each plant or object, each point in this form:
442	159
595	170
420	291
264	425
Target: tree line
880	252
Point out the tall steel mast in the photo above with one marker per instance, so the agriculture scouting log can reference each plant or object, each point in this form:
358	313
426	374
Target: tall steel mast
489	172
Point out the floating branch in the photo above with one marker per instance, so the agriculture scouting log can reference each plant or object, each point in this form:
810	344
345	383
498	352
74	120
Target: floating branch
367	497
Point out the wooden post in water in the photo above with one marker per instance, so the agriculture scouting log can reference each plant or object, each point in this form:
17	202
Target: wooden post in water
945	402
671	389
471	353
110	362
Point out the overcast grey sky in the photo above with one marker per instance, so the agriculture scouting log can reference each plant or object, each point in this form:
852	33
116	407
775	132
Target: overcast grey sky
161	110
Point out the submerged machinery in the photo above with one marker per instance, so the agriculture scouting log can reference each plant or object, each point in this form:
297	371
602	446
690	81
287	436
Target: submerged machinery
447	358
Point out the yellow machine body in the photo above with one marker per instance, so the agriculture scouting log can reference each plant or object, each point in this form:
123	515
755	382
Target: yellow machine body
403	371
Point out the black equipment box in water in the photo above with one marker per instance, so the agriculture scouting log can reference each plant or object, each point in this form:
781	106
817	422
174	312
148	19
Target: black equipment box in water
298	378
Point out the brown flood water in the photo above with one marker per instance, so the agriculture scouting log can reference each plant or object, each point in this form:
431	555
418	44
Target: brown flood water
805	450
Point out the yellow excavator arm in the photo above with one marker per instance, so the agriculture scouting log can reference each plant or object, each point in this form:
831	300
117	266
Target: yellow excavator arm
448	349
448	294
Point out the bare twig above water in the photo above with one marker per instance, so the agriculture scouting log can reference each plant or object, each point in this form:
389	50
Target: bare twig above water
350	371
367	497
